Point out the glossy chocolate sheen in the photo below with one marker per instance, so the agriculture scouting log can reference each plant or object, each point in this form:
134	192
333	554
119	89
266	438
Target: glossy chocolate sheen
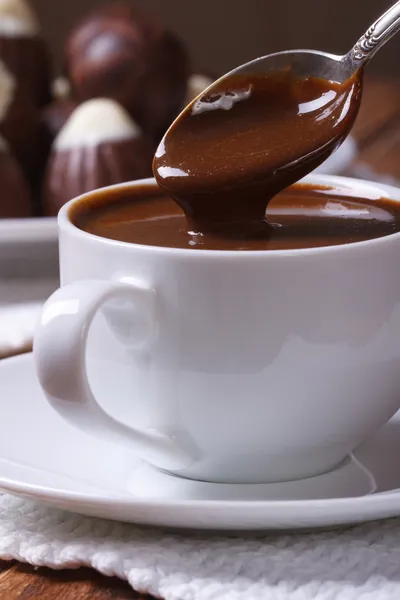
303	216
250	137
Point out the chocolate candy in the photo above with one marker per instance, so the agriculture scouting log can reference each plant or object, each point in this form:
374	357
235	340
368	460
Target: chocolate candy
118	52
99	145
15	200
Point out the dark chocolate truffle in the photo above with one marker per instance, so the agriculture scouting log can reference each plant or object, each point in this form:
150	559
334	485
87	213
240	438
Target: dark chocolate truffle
120	53
99	145
23	50
15	200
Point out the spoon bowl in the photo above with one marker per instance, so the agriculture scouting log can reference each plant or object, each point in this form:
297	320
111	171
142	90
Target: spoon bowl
262	127
255	131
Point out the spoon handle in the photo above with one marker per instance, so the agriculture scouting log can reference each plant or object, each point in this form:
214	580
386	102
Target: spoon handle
374	38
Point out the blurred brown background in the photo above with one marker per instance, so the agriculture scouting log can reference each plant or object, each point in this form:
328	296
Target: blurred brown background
223	33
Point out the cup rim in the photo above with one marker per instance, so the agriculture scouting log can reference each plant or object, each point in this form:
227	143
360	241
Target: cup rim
389	191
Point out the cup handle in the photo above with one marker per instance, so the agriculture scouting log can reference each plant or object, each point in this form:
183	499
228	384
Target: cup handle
61	367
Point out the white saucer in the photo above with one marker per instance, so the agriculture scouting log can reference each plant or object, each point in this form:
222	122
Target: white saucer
46	459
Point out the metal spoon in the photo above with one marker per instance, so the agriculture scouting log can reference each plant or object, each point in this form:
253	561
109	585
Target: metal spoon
213	180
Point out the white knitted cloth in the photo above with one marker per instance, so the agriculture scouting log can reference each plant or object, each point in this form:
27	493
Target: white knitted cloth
361	563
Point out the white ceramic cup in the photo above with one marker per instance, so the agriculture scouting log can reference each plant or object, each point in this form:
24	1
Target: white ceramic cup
225	366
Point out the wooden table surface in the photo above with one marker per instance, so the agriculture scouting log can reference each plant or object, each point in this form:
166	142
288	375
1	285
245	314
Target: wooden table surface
377	132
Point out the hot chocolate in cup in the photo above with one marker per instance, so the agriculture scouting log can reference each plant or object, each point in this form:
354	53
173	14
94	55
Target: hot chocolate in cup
228	365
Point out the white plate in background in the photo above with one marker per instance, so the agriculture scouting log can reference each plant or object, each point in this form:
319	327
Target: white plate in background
28	275
28	231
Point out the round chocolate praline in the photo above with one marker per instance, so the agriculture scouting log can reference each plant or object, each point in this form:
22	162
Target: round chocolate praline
118	52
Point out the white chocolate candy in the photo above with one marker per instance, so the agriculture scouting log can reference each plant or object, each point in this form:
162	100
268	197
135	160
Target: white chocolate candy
94	122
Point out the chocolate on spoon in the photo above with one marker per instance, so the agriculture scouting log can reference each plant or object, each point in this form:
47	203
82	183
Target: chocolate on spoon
260	128
249	137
